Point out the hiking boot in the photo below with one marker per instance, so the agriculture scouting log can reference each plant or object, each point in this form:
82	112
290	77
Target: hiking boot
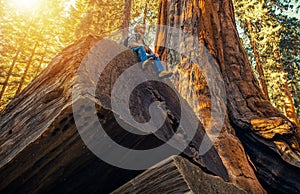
164	74
146	62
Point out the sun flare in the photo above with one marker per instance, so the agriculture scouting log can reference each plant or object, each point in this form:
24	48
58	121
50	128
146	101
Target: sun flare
26	5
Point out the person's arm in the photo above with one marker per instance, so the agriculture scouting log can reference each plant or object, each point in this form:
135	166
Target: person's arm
133	42
147	48
149	51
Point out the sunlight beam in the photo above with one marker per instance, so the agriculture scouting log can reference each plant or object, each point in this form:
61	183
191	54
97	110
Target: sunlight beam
25	5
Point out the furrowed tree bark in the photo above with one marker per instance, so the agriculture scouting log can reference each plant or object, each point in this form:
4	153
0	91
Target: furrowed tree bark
180	176
270	140
41	150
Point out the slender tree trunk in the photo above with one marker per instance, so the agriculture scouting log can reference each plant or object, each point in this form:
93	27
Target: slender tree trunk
39	67
126	21
145	11
9	73
258	62
26	69
270	140
289	106
16	58
27	66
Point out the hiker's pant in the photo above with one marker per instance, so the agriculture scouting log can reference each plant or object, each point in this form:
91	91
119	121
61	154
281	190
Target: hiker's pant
143	56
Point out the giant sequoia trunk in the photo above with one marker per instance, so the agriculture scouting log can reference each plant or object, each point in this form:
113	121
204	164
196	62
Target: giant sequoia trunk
41	150
270	140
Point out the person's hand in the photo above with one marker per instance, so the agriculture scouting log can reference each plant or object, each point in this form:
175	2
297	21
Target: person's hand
156	55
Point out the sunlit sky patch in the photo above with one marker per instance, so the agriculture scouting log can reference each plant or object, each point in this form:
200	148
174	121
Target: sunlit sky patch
293	9
25	5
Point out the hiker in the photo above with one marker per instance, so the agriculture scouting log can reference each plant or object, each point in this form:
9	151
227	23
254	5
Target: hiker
137	44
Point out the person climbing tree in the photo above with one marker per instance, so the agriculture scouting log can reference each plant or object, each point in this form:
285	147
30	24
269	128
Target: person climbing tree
137	44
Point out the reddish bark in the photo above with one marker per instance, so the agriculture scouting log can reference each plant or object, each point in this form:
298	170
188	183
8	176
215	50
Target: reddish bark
268	137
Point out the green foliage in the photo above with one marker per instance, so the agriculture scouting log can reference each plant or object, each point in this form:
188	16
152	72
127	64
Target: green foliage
290	55
276	36
30	38
102	17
